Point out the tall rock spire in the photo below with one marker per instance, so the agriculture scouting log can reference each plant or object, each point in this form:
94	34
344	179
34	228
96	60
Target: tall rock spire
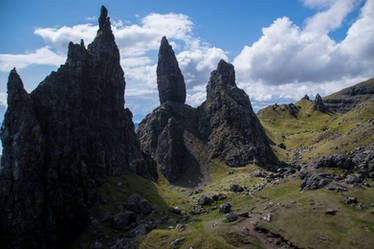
227	122
170	81
318	104
61	141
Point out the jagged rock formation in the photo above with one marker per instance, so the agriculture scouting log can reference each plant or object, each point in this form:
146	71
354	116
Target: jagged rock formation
224	126
61	140
306	97
349	98
161	133
229	125
318	104
170	81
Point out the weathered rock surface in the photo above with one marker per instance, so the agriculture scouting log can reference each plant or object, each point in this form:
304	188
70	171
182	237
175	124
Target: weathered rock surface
349	98
318	104
61	140
171	130
228	124
170	81
224	126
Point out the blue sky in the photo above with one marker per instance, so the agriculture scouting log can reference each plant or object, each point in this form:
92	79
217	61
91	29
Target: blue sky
281	50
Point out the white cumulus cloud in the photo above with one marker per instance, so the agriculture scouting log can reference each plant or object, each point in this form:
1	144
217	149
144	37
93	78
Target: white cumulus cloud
289	61
41	56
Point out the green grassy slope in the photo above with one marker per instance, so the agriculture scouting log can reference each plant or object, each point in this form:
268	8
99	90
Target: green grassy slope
320	134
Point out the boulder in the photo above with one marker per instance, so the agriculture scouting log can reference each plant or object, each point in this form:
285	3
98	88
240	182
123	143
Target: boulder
204	200
123	221
225	208
230	217
177	242
236	188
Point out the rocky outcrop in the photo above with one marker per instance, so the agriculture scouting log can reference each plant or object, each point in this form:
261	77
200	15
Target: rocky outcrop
228	124
349	98
318	104
164	133
306	97
224	126
170	81
61	141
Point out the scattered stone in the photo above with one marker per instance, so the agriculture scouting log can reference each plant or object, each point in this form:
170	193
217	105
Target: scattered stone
360	206
198	211
231	172
316	181
352	179
350	200
330	211
225	208
236	188
175	210
260	173
177	242
122	221
204	200
267	217
180	227
219	197
337	187
230	217
137	204
282	146
244	214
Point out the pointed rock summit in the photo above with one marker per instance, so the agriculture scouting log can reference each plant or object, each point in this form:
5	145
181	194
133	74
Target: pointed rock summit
181	138
61	141
170	81
318	104
229	125
306	97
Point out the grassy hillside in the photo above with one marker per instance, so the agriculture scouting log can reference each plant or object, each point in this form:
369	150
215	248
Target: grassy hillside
297	218
315	133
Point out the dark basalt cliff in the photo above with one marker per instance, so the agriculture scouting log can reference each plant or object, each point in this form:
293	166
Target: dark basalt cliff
318	104
170	81
61	141
350	97
224	126
231	129
161	133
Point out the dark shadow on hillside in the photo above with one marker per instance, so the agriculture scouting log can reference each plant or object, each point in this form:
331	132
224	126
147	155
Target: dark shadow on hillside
197	173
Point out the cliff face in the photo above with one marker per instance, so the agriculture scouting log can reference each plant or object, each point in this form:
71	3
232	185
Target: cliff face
223	127
161	133
350	97
229	125
61	141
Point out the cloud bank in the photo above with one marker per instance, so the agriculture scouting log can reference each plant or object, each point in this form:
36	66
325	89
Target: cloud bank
289	61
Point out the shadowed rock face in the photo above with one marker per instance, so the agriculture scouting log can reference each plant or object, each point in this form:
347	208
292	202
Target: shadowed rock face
170	81
229	125
60	141
318	104
223	127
